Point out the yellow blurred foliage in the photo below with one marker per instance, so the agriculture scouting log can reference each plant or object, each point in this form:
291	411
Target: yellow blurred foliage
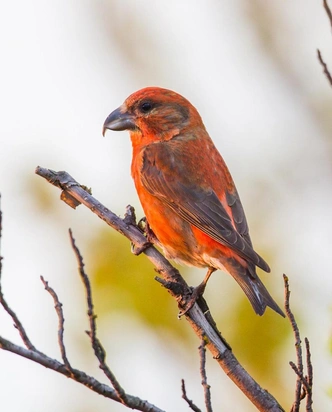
124	282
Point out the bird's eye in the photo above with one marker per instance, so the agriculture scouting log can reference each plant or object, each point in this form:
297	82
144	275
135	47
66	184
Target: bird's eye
145	107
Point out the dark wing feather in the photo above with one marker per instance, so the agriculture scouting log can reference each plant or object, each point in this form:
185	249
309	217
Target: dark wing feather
165	177
233	200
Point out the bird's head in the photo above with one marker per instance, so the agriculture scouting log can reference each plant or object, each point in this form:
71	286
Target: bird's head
154	114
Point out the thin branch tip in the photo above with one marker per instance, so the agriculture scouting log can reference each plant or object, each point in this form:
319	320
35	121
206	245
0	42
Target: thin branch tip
206	386
325	68
303	388
190	403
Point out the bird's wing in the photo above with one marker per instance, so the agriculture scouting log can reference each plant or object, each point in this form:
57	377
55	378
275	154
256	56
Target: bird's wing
165	176
239	218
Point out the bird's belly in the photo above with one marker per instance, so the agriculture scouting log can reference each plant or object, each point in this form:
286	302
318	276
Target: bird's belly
175	235
186	244
179	240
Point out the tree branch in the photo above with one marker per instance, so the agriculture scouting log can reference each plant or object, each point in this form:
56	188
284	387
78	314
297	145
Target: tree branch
206	386
66	369
328	11
319	55
190	403
324	66
204	326
92	333
309	376
303	383
59	311
77	375
18	325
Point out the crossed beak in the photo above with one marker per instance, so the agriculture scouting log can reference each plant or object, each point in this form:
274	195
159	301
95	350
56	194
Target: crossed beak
119	120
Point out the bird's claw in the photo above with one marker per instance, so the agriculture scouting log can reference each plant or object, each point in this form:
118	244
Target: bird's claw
137	250
143	224
191	300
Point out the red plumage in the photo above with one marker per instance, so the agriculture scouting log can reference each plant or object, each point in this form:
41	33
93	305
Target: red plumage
186	190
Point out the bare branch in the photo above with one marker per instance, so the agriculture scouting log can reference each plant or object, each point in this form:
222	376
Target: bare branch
303	383
18	325
319	55
59	311
310	376
65	369
324	66
77	375
328	11
206	386
301	378
190	403
96	345
204	326
298	348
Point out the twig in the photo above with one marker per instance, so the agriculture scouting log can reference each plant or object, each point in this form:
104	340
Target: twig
319	55
18	325
303	383
59	311
77	375
328	11
190	403
262	399
324	66
96	345
206	386
65	369
301	378
310	376
298	348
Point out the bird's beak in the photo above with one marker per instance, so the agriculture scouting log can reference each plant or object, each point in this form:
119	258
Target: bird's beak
118	120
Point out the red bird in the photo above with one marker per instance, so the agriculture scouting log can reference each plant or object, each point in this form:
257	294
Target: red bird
186	191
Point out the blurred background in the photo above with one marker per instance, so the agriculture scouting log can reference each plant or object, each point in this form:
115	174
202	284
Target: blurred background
250	68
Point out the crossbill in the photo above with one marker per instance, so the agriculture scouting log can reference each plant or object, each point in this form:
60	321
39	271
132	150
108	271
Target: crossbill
187	192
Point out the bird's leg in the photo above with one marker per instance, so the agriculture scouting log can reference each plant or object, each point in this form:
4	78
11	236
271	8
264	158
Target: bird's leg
143	224
196	293
151	238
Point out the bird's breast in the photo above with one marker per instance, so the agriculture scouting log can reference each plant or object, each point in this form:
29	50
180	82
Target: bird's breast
174	234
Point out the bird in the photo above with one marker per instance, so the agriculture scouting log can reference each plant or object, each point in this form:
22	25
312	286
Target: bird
187	192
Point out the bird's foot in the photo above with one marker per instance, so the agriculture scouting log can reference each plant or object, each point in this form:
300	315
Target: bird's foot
189	302
144	227
137	250
143	224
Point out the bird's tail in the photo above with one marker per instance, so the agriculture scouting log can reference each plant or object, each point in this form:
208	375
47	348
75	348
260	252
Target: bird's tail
256	292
